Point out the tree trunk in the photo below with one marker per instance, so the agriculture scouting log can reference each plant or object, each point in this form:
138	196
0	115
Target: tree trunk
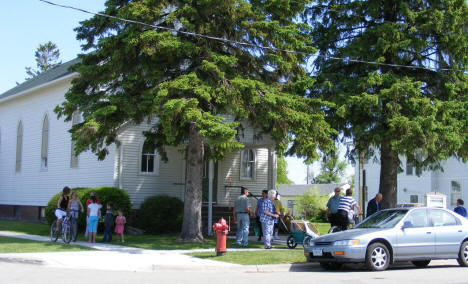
191	226
388	176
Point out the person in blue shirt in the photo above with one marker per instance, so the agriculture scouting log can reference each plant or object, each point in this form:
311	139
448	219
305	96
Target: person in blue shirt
460	209
259	212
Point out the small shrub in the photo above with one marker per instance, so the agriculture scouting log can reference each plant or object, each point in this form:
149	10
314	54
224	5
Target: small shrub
105	194
161	214
312	205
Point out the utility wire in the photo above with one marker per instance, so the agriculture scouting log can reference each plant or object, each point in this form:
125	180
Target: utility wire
250	44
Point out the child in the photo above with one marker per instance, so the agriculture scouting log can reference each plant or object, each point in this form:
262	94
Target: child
93	211
108	223
73	207
93	193
120	222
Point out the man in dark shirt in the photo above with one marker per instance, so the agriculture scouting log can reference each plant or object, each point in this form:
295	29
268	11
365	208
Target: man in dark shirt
374	204
460	209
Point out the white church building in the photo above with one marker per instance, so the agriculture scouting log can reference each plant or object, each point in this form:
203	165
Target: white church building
413	184
37	159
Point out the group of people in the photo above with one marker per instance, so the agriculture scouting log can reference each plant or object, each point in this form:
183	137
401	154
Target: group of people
67	206
341	209
267	214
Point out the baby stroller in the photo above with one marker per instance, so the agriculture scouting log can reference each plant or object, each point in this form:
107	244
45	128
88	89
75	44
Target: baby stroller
300	231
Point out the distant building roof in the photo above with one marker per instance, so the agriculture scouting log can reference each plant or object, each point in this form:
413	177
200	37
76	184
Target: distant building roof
43	78
300	189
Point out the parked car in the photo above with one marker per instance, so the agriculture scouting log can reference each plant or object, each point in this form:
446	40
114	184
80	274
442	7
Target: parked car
394	235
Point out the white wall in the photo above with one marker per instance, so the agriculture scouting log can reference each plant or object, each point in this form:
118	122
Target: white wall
408	185
32	185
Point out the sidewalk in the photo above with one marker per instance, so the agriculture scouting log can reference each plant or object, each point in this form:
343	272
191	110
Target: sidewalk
122	258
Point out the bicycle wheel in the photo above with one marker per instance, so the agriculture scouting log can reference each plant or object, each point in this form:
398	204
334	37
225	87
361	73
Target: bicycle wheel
53	232
66	231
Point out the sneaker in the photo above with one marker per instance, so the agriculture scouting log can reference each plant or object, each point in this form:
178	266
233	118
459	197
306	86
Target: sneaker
270	247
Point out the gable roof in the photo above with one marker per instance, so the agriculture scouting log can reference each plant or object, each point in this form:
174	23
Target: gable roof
300	189
41	79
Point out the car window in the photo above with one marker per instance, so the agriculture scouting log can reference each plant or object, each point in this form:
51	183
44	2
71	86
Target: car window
442	218
418	218
383	219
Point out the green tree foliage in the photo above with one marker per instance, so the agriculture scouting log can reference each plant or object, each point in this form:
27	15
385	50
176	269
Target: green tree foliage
282	171
312	205
416	112
190	83
47	57
332	170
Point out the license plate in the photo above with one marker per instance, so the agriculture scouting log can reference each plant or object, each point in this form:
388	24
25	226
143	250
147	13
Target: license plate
317	252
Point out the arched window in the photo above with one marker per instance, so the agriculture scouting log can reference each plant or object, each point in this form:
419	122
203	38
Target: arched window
45	143
149	158
247	164
19	146
74	157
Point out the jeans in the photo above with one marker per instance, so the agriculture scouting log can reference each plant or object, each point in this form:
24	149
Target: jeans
267	228
107	234
243	223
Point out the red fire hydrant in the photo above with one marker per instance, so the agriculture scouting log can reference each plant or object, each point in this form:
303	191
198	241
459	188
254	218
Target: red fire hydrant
221	231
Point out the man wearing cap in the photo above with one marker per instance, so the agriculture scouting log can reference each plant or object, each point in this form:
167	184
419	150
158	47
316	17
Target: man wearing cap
242	213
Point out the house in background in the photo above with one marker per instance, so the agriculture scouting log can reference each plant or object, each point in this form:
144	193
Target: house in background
37	159
413	184
290	193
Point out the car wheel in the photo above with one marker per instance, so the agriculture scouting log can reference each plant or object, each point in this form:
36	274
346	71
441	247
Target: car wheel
463	254
377	257
291	243
421	263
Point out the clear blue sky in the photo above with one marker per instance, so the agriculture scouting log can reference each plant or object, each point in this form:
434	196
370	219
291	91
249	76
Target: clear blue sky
24	24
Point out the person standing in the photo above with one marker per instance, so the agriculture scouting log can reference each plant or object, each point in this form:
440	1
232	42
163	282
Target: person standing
347	205
268	218
460	209
332	208
242	212
91	194
93	211
374	205
108	223
280	210
258	212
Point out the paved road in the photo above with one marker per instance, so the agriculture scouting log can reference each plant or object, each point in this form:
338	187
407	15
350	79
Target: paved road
441	272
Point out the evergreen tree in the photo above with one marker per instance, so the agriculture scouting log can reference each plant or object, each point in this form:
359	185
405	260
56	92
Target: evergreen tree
190	83
332	170
282	171
47	57
419	112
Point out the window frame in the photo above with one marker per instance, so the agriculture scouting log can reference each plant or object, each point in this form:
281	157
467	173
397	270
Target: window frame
19	146
45	140
243	163
74	161
156	161
459	194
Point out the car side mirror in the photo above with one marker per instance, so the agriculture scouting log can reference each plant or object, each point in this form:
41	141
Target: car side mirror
407	224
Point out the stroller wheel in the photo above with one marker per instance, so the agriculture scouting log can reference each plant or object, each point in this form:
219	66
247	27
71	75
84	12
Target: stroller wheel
291	243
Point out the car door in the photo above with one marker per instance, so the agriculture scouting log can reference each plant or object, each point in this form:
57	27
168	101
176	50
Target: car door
415	241
448	233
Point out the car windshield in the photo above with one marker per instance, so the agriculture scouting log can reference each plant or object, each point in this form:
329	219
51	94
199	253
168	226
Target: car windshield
383	219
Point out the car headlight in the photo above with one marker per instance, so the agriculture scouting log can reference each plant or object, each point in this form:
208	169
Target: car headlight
346	243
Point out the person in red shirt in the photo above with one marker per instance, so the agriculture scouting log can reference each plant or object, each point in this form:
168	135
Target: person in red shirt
93	193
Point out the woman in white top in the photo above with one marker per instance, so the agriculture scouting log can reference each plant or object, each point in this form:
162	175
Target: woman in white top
93	212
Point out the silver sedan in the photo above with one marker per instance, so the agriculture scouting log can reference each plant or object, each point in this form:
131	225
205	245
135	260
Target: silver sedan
395	235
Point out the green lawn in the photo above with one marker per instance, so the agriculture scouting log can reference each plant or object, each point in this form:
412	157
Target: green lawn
274	256
322	227
15	245
155	242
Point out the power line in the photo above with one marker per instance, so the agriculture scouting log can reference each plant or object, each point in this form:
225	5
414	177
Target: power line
249	44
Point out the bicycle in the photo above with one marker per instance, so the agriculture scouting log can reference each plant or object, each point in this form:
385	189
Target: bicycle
65	230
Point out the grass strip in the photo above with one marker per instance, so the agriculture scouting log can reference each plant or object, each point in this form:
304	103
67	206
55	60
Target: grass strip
15	245
274	256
